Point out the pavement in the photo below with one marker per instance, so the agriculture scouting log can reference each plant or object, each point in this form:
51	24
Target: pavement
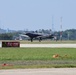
50	71
49	45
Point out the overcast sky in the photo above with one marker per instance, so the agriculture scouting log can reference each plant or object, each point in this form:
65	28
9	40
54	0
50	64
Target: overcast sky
37	14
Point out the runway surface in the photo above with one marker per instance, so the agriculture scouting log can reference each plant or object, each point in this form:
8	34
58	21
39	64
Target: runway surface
47	45
52	71
50	45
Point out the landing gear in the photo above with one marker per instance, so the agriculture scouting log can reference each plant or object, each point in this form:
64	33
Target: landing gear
40	39
31	39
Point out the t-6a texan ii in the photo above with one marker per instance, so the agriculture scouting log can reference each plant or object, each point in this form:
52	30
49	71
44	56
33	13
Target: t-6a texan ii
39	36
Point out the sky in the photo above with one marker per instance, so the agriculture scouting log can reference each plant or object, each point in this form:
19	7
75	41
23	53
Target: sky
38	14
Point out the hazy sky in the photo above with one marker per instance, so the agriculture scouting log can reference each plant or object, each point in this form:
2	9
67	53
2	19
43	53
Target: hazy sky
37	14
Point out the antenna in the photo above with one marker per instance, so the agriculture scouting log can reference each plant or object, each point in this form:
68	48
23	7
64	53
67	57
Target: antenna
61	28
0	24
52	23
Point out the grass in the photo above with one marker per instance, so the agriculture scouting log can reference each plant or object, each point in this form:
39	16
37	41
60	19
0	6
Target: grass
37	57
48	42
36	53
45	41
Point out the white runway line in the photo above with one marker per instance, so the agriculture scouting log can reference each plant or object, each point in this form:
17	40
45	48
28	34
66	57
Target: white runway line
50	45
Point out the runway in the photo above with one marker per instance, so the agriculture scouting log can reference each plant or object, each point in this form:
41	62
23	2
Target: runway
52	71
50	45
47	45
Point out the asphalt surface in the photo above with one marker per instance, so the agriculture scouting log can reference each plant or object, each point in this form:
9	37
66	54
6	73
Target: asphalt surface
47	45
50	45
52	71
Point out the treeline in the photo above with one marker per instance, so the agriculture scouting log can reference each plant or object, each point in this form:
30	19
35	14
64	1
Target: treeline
9	36
66	35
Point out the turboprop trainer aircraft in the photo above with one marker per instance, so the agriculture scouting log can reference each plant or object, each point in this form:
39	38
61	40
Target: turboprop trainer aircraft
39	36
